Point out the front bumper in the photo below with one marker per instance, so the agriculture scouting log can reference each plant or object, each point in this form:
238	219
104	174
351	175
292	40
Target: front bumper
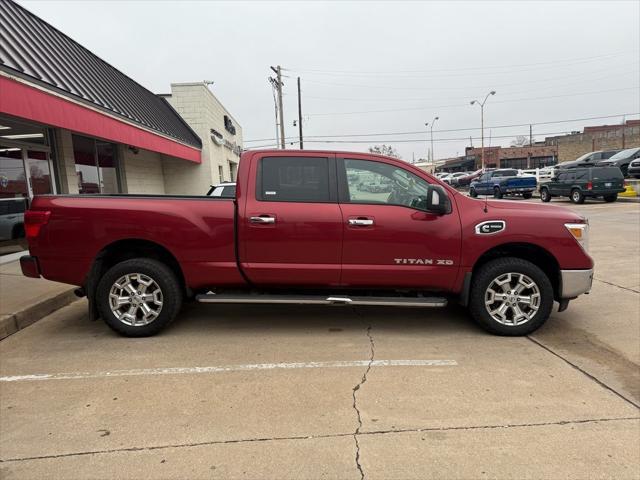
575	282
520	190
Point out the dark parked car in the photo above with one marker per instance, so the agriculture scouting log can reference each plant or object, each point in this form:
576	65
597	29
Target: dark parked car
503	181
589	159
466	180
634	169
579	183
623	159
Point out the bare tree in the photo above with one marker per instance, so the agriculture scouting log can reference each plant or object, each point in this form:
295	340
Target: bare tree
521	141
387	150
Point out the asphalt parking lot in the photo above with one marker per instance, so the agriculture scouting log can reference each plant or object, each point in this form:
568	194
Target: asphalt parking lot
335	392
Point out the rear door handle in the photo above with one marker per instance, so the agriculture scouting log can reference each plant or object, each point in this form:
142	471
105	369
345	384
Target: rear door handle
263	219
361	222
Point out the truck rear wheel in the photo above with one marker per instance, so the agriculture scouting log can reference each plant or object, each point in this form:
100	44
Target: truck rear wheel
139	297
577	196
497	193
527	195
510	296
472	193
611	198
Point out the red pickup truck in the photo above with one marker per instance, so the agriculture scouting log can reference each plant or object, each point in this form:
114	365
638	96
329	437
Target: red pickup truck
304	229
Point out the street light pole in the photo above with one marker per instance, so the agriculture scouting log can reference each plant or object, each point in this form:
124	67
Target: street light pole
426	125
433	157
492	92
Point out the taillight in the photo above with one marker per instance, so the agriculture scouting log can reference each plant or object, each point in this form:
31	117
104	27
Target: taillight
33	222
589	185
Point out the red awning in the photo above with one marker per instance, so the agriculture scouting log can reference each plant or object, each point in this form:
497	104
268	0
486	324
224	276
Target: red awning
30	103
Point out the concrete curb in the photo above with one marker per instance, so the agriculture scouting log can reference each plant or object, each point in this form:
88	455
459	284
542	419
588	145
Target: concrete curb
10	324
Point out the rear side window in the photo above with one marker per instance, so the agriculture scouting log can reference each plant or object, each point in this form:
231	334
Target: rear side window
607	173
293	179
581	175
229	192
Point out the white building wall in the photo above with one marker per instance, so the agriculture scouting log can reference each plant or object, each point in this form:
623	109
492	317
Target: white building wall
141	172
202	111
66	164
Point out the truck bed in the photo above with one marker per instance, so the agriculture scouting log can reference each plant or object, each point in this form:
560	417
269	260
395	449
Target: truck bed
198	231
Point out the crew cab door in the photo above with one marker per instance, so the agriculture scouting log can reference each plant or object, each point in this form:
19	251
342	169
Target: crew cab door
388	241
290	226
482	186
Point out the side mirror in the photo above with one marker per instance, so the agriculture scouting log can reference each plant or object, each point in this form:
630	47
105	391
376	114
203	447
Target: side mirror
437	201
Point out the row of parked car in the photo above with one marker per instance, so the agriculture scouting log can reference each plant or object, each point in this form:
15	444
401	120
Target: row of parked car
595	174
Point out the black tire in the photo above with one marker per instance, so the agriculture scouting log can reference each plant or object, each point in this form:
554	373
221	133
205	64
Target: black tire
577	196
472	192
164	278
527	196
611	198
497	193
18	232
483	278
545	196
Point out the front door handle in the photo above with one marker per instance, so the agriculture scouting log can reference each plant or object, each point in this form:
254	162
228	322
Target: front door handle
263	219
361	222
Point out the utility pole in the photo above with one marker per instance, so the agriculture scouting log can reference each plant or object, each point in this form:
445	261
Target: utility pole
300	115
530	146
278	72
273	83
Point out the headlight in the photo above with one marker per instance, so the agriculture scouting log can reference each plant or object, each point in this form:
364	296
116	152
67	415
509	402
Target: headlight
579	231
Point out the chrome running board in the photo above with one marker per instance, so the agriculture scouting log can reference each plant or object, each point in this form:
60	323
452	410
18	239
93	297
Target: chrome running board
421	302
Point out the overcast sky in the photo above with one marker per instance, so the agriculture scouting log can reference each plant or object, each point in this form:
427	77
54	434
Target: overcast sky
379	67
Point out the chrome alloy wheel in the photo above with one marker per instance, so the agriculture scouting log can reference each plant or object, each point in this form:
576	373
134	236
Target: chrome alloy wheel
512	299
135	299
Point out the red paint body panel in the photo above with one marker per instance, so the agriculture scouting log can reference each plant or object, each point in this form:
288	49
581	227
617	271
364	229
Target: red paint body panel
23	101
309	245
301	248
197	232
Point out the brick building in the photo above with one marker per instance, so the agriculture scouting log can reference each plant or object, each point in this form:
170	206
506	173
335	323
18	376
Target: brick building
536	156
602	137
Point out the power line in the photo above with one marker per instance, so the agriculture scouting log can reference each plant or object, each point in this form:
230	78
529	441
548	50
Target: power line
467	69
428	107
589	78
525	124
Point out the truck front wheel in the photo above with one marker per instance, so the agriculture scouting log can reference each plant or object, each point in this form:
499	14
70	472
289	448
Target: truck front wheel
510	296
497	193
139	297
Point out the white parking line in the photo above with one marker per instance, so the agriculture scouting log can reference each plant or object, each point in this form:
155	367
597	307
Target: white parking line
227	368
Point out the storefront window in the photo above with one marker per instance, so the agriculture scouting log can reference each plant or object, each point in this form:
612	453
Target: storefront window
96	165
39	172
13	181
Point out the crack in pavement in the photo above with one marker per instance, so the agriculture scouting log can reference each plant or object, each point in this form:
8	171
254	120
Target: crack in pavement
616	285
584	372
323	436
354	391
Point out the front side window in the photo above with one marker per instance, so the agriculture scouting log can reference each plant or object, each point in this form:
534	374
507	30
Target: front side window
293	179
376	182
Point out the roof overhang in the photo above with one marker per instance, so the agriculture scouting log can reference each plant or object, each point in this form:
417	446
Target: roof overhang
31	103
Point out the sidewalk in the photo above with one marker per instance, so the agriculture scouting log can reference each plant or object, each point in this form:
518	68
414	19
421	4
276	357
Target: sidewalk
24	300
